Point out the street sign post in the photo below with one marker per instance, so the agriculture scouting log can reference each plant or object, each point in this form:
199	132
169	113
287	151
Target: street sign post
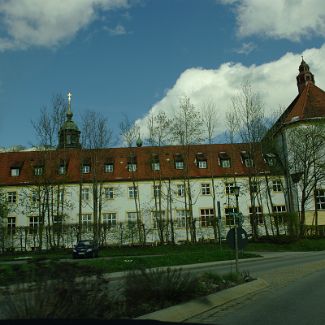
237	239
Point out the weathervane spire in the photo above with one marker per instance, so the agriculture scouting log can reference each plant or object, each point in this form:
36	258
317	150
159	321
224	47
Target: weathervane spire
69	101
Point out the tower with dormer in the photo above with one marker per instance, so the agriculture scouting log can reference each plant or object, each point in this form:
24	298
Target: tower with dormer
69	134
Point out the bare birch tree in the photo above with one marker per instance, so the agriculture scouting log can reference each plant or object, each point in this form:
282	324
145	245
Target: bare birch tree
187	130
306	158
246	123
96	135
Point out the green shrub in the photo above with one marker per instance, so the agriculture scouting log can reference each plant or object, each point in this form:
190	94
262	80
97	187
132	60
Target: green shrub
158	287
61	300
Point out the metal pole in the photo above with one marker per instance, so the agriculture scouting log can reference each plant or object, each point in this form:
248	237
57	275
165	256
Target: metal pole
219	222
236	237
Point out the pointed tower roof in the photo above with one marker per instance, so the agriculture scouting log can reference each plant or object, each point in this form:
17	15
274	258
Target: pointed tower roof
305	76
307	106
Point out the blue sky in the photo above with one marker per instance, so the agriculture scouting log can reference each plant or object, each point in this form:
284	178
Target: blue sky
134	57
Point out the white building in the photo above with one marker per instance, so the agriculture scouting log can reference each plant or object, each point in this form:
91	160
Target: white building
157	194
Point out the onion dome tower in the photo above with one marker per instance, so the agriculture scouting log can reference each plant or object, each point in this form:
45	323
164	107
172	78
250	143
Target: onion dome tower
69	134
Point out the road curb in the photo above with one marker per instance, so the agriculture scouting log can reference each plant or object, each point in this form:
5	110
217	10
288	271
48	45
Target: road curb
182	312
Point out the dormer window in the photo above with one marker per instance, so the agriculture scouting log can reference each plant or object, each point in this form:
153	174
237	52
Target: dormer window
132	167
109	167
15	171
155	165
201	160
246	159
224	160
132	164
270	159
38	171
179	162
86	166
62	169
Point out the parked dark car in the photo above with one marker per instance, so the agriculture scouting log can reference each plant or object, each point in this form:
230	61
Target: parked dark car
85	248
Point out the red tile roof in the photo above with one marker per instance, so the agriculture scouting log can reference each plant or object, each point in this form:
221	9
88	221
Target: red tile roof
309	104
120	156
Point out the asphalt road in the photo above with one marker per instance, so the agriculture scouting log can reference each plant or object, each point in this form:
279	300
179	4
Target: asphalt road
299	303
295	295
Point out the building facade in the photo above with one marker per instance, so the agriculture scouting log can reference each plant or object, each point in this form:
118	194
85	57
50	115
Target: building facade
159	194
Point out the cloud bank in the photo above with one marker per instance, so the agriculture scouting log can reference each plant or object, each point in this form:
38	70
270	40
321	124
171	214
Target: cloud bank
48	23
279	19
275	82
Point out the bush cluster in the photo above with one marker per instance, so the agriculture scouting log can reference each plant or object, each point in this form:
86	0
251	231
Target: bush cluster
143	291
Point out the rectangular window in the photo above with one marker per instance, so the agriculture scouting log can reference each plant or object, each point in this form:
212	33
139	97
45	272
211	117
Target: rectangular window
12	197
179	164
279	208
155	166
156	190
203	164
205	189
58	219
258	214
254	187
11	225
109	192
180	190
320	199
206	217
132	218
35	198
14	172
230	216
85	194
133	192
230	188
108	168
86	221
276	186
85	168
181	218
61	195
158	218
33	224
132	167
38	171
109	219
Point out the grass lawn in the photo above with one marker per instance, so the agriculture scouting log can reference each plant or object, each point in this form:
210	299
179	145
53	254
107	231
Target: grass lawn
301	245
129	258
120	259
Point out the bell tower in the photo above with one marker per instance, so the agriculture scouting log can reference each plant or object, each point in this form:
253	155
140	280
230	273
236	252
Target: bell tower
69	134
304	76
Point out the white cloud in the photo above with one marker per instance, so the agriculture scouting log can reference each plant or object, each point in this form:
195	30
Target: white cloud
288	19
274	81
47	22
117	30
246	48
